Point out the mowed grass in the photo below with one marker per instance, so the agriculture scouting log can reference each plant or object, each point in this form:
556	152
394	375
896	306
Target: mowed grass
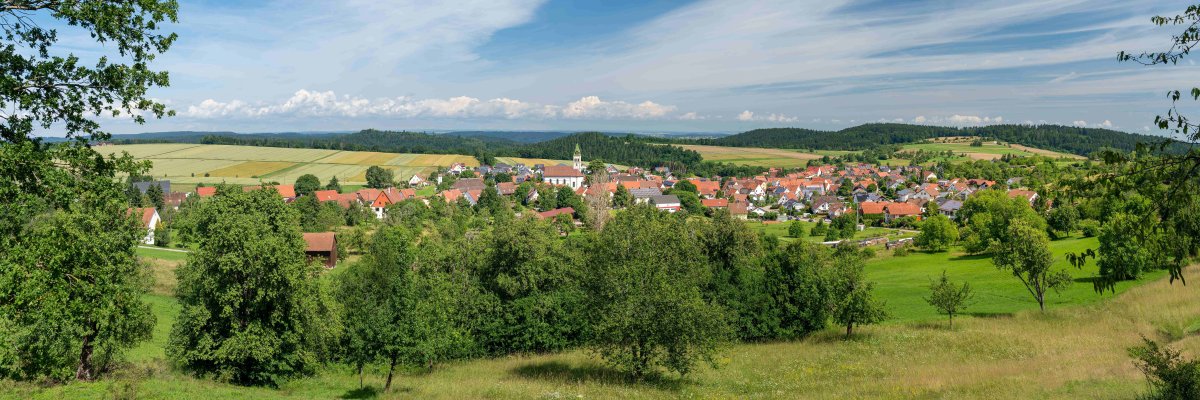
780	230
530	162
1075	352
754	156
248	165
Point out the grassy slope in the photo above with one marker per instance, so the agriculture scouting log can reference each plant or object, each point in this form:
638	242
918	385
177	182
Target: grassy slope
1006	350
781	230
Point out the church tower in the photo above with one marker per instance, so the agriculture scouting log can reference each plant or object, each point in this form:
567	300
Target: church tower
578	159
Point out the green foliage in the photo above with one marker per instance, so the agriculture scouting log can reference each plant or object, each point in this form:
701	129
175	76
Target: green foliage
850	294
318	216
796	229
379	178
949	298
820	229
1090	227
1171	376
1063	219
797	281
154	193
333	184
622	198
938	233
1121	257
533	279
252	310
71	286
685	186
1025	252
645	291
307	184
988	215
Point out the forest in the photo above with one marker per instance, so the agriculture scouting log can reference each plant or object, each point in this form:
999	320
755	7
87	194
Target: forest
1075	140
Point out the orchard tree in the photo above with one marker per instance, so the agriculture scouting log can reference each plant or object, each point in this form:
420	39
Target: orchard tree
795	229
253	312
850	293
307	184
937	233
379	178
622	198
1025	252
71	311
645	292
797	282
949	298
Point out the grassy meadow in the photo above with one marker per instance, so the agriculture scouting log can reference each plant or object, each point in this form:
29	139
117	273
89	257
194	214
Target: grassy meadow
1004	348
187	164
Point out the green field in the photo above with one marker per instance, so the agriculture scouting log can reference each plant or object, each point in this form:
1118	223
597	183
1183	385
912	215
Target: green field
781	230
1075	350
187	164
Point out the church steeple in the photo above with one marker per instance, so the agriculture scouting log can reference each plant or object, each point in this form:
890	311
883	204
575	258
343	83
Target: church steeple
578	159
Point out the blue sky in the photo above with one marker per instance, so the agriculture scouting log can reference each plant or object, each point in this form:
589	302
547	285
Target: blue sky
259	66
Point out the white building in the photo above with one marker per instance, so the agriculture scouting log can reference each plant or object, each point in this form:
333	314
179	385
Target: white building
563	175
150	219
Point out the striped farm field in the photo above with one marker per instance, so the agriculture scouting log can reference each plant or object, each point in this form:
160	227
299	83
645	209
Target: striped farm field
189	164
754	156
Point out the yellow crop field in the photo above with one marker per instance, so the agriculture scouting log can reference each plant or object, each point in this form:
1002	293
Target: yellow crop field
189	163
359	158
251	169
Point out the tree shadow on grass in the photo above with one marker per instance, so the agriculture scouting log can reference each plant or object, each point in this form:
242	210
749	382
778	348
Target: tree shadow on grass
370	392
986	314
562	372
966	257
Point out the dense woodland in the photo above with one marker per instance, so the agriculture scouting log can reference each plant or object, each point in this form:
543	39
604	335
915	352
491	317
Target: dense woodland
1075	140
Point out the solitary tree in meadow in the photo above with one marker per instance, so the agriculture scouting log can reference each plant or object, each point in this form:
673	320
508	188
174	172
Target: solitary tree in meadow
1025	252
949	298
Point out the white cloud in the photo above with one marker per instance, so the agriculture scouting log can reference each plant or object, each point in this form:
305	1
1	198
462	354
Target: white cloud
749	116
1079	123
959	120
305	103
1105	124
1065	78
692	116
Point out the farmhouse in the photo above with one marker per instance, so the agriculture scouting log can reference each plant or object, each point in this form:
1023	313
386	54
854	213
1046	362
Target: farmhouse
323	246
149	218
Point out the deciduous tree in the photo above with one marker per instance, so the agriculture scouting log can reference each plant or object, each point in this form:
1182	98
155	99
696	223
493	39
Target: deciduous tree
949	298
1025	252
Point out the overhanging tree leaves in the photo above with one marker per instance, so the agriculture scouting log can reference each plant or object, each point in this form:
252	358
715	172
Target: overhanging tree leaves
71	311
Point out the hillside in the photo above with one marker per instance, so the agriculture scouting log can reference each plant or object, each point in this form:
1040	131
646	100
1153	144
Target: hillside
1074	140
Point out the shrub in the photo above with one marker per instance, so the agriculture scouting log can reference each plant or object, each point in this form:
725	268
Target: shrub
1090	227
900	251
1171	376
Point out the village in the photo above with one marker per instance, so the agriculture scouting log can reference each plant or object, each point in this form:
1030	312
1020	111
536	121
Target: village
872	195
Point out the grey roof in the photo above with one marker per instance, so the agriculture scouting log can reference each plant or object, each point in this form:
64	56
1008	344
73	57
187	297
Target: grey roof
664	199
143	186
951	205
645	193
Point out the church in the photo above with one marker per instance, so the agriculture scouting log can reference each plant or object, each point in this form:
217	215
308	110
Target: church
566	176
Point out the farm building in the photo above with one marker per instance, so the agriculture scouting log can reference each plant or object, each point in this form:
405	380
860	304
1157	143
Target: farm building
321	245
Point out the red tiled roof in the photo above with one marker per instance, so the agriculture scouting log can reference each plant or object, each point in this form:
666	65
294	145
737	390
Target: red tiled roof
738	208
146	214
320	241
711	203
326	195
506	188
285	191
206	191
871	207
451	195
561	171
555	212
1026	194
903	209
